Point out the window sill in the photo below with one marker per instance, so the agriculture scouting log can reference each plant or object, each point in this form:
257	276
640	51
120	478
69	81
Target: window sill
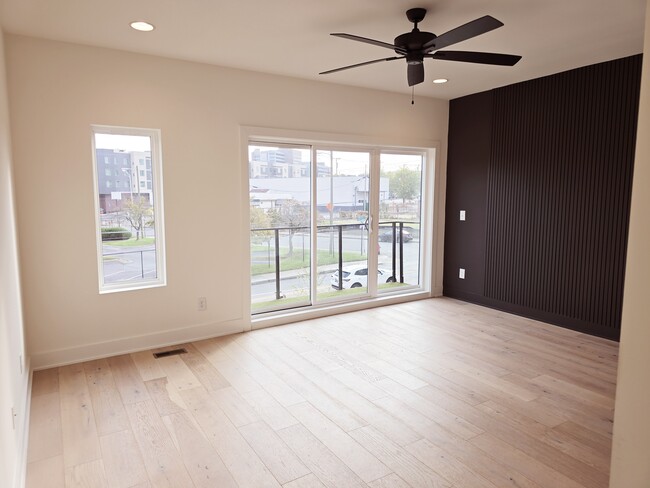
271	319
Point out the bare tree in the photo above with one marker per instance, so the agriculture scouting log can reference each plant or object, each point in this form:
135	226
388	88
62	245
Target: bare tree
139	214
291	214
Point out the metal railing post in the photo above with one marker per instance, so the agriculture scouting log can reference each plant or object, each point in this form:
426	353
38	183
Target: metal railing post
340	257
401	252
394	244
142	263
277	264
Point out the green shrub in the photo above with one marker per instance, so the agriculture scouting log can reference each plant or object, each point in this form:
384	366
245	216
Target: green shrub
115	234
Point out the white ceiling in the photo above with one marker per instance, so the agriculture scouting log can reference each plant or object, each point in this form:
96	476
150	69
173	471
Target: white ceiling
291	37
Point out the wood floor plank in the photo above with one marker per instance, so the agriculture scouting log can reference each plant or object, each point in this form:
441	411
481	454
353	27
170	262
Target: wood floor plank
235	406
161	459
80	439
453	470
204	465
123	462
127	379
587	437
309	481
390	481
166	398
269	409
526	442
329	469
147	365
400	461
204	371
357	458
45	436
45	381
108	408
529	466
46	472
87	475
361	386
178	373
411	408
243	463
282	462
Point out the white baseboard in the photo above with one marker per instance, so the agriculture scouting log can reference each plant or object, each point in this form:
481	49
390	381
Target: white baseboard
436	291
88	352
20	473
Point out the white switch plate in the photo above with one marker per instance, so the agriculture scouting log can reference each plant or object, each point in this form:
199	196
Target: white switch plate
461	273
462	215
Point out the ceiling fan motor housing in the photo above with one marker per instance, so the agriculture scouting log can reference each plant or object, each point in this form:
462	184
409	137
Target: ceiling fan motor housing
413	41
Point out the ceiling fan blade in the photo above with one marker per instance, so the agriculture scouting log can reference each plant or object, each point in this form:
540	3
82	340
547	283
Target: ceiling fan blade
370	41
415	73
462	33
361	64
476	57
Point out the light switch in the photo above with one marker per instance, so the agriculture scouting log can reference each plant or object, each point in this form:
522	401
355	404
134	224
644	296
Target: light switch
462	215
461	273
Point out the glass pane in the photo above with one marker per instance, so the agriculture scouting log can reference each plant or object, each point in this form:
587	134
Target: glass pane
400	203
280	210
126	206
342	187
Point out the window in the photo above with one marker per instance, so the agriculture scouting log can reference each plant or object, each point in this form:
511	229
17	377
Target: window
129	224
107	171
351	228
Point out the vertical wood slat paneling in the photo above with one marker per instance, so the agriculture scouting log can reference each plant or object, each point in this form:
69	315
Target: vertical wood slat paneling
558	192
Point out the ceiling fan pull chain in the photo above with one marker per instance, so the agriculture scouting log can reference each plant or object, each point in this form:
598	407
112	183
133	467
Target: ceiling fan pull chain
412	94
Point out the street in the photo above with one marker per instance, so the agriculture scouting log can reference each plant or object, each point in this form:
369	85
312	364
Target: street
295	283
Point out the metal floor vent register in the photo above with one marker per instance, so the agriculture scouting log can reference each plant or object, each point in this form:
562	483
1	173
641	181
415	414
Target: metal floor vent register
173	352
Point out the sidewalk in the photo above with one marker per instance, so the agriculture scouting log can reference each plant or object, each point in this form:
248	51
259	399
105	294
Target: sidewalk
324	270
285	275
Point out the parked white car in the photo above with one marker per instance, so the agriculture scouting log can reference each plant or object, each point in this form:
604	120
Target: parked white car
357	277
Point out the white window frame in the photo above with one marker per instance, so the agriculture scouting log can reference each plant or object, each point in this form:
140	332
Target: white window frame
158	207
433	211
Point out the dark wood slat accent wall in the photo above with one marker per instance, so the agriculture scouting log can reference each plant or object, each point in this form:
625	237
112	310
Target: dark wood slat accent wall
557	193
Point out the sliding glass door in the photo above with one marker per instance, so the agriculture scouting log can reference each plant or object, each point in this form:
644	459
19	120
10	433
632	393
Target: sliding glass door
280	226
333	224
400	220
341	240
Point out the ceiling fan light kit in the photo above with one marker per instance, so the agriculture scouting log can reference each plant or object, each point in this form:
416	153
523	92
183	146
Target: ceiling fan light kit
416	46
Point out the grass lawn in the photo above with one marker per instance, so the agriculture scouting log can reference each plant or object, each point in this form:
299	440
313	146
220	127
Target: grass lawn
296	261
145	241
304	300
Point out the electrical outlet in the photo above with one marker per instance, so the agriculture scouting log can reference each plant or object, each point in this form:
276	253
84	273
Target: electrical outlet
462	215
461	273
203	304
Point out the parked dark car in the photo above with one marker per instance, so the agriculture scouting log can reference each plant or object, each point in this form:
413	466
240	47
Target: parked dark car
386	235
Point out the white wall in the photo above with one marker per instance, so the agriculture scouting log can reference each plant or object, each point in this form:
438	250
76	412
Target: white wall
631	444
13	381
58	90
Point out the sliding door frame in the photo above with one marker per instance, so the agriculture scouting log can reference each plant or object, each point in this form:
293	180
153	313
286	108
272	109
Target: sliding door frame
432	213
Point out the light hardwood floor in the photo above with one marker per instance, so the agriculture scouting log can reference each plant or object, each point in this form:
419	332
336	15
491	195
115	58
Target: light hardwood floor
435	393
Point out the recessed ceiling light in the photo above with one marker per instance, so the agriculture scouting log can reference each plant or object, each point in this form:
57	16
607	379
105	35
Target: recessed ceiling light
440	81
142	26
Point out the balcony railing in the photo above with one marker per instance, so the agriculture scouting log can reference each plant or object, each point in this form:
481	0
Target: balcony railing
389	230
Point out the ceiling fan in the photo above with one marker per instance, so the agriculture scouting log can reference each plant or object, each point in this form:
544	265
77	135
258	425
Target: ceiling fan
416	45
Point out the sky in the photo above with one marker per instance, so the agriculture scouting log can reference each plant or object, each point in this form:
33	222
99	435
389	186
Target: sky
125	143
356	163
